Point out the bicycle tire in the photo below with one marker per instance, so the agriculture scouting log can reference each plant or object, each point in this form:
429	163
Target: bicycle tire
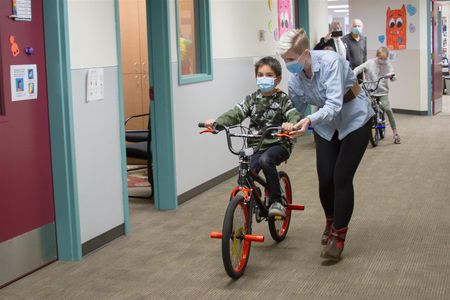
235	250
374	134
382	130
279	228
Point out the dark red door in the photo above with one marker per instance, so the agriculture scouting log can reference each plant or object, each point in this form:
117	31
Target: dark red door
436	68
26	191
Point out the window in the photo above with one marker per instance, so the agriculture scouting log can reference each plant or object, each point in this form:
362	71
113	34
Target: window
193	40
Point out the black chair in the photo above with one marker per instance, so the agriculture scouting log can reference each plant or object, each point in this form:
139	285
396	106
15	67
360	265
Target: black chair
139	147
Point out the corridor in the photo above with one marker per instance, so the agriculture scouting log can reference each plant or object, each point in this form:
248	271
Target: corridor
398	245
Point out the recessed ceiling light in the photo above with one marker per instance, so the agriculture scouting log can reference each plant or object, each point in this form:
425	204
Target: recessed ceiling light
338	6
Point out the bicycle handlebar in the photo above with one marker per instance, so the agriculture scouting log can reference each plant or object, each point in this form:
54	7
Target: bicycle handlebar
267	131
366	84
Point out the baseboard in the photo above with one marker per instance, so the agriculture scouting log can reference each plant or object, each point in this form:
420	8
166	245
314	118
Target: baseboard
102	239
410	112
206	185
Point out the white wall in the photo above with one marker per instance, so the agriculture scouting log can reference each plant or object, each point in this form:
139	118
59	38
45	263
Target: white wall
410	91
318	20
235	46
96	124
92	33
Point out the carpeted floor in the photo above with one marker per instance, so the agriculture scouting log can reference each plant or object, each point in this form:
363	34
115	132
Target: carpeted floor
398	244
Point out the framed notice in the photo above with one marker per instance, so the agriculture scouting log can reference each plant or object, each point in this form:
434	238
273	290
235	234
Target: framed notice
24	82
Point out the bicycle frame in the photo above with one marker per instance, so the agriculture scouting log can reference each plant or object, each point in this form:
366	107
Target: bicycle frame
246	180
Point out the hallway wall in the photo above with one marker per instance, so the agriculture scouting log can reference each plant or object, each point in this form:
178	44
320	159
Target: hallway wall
96	124
410	91
318	20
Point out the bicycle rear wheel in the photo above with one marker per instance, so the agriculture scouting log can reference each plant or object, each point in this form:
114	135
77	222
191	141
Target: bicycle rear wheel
374	134
235	249
279	228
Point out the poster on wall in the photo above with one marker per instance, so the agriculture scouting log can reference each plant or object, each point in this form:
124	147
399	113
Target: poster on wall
284	17
95	85
21	10
24	84
396	28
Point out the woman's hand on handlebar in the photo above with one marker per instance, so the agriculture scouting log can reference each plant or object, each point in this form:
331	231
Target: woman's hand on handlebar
287	127
300	128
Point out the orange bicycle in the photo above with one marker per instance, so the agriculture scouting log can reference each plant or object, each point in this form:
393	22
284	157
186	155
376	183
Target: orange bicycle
247	200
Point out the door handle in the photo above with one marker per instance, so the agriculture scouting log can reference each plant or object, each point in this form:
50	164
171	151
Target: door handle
151	93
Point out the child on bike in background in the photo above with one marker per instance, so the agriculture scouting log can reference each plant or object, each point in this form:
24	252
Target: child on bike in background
268	106
373	69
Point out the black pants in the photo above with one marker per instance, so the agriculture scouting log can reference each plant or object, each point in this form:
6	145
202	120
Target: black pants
268	160
337	162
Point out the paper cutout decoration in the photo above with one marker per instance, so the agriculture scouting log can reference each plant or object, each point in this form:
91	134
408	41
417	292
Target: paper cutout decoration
284	16
270	26
14	46
381	38
411	9
412	28
396	28
276	37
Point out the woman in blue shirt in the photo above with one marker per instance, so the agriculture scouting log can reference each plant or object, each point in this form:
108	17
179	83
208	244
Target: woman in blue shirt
341	127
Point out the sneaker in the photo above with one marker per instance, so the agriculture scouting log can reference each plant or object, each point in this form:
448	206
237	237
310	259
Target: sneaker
277	210
397	139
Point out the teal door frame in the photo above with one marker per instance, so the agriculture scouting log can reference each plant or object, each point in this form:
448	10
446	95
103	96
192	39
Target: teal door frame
429	60
59	91
163	146
303	15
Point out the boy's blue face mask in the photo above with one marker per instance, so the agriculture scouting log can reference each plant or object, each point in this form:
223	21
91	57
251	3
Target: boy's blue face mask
266	84
295	66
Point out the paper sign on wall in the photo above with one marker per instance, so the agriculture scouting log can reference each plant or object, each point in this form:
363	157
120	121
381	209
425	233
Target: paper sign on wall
95	85
24	83
21	10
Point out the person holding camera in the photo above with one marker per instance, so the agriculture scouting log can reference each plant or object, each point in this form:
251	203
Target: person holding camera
332	41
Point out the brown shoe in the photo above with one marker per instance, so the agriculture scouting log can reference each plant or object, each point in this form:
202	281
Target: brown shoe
327	231
335	245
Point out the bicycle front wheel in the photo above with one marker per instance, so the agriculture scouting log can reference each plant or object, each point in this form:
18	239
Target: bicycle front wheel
382	124
374	134
279	228
235	249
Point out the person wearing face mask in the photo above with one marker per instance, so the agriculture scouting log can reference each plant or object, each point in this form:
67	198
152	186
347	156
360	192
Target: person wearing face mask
268	106
332	41
356	45
341	128
373	69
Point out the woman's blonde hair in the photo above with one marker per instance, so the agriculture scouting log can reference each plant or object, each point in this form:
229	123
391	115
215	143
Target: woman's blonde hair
382	50
295	39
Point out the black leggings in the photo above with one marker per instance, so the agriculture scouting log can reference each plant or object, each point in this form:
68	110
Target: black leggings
337	162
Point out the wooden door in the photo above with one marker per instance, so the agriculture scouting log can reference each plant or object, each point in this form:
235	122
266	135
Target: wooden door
133	34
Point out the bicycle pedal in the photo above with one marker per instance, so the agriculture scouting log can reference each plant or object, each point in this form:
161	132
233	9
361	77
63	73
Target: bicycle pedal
254	238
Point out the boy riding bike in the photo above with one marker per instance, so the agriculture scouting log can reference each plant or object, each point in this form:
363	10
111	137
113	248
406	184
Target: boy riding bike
268	106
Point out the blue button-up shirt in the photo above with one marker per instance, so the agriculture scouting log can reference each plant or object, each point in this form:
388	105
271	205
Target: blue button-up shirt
332	78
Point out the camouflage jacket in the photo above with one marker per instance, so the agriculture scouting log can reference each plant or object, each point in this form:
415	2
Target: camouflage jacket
263	111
